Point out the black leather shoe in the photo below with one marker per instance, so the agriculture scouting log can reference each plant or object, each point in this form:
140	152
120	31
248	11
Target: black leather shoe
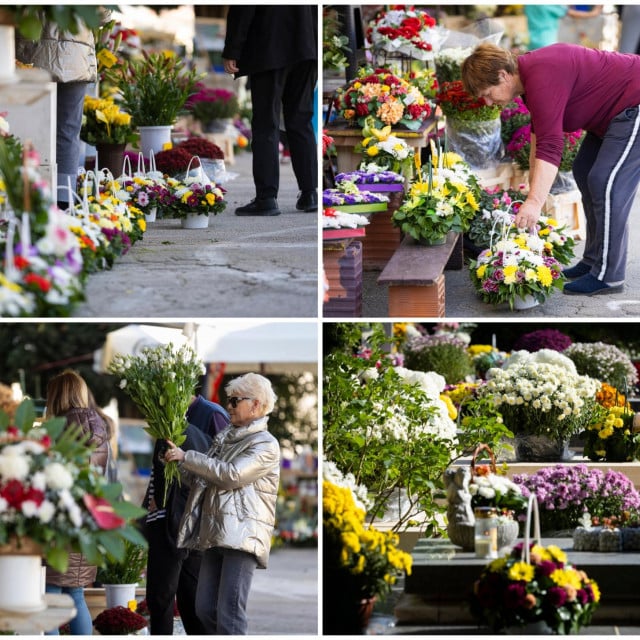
307	201
259	207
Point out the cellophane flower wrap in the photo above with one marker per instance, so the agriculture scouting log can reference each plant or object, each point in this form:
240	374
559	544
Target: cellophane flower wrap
51	496
161	381
407	31
514	593
542	394
360	560
444	200
385	97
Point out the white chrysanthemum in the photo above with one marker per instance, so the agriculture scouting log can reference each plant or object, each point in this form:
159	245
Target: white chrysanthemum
39	481
75	514
29	508
430	382
331	473
46	511
58	477
29	446
4	505
13	466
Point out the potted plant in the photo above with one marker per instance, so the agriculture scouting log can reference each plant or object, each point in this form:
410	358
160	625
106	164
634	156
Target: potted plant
153	88
120	577
386	150
612	436
541	592
360	562
604	361
120	621
214	108
566	491
54	503
444	200
107	128
444	353
543	400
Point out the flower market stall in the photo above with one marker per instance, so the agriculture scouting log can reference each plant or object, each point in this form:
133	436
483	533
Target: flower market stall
434	443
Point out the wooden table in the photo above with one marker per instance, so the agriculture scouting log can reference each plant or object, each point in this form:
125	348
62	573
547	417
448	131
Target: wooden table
60	609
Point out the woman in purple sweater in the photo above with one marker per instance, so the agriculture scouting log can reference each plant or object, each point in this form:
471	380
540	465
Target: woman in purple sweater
568	87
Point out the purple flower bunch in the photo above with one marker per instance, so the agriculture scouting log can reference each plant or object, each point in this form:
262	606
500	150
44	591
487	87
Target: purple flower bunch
566	492
336	198
543	339
371	177
209	104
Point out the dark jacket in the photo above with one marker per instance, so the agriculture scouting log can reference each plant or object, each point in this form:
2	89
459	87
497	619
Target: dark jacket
79	573
208	416
264	37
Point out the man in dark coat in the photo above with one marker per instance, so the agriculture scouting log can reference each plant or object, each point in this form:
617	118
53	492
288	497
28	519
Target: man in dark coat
277	48
172	573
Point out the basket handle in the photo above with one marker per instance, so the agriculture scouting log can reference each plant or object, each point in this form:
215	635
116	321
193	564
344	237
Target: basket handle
492	457
532	510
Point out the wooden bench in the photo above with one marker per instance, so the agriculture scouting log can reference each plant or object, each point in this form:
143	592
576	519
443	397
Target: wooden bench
415	277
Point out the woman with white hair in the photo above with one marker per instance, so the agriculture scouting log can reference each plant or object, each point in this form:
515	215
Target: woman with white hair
230	512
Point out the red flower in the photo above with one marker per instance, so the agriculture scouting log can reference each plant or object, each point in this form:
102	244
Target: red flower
13	432
20	262
42	283
362	109
102	512
13	492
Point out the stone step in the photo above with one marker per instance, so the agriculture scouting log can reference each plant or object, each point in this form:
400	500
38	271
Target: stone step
442	578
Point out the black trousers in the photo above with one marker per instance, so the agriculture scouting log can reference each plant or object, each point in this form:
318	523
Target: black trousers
171	574
286	93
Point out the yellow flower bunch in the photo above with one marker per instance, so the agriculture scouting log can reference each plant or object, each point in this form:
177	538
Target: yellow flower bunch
104	122
362	559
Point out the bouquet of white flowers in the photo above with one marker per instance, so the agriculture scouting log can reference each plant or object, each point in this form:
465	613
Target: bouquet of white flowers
161	381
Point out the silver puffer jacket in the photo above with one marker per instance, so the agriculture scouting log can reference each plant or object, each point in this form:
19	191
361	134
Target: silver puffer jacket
67	57
234	487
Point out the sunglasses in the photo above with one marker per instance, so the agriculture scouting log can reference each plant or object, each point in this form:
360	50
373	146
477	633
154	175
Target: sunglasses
233	401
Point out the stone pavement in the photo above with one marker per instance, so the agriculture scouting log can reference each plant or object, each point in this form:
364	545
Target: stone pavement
238	267
462	301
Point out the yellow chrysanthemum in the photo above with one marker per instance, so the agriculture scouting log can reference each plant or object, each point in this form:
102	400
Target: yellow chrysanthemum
521	571
510	274
545	276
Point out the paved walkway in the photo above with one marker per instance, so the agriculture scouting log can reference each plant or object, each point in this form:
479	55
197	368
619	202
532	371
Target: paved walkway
462	301
238	267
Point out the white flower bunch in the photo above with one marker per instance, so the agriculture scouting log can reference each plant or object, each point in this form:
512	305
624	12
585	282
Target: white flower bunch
548	356
455	55
604	361
341	220
492	485
332	474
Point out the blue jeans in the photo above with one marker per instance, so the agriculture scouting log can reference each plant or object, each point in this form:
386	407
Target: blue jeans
70	102
223	589
81	625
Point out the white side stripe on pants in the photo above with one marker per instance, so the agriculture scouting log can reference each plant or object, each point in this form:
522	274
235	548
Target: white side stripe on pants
607	197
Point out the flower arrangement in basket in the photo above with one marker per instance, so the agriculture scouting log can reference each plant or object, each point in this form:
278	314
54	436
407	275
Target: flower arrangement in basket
445	200
517	266
209	104
385	97
613	436
478	486
407	31
534	588
161	381
104	122
119	621
388	151
50	496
